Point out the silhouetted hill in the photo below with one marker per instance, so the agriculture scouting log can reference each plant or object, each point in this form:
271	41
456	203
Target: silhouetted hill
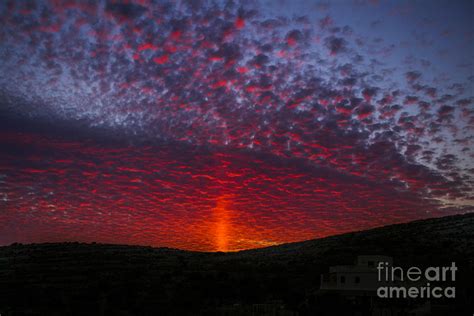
97	279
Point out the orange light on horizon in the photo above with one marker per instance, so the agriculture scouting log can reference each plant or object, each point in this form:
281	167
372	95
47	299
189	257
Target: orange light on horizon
222	227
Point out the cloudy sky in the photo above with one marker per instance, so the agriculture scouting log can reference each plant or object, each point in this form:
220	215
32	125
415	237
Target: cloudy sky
228	125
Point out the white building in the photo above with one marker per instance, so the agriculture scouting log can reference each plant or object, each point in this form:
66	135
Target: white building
360	277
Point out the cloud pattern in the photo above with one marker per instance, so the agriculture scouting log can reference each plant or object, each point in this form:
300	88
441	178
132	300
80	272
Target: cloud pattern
237	129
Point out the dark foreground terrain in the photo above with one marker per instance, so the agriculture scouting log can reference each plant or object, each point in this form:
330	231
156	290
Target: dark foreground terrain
96	279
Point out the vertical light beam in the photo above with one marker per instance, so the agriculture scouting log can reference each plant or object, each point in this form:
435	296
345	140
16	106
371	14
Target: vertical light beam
223	222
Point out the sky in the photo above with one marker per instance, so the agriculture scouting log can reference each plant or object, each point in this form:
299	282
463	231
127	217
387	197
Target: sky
227	125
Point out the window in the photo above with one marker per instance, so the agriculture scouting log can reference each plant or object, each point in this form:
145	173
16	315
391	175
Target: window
343	279
357	280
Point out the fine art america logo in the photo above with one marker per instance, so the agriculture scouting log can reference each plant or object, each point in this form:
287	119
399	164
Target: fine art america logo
415	282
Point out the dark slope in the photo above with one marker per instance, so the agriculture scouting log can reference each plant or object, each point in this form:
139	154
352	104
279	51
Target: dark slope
95	279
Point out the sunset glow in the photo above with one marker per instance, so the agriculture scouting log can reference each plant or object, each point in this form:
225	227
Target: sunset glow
223	224
223	126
